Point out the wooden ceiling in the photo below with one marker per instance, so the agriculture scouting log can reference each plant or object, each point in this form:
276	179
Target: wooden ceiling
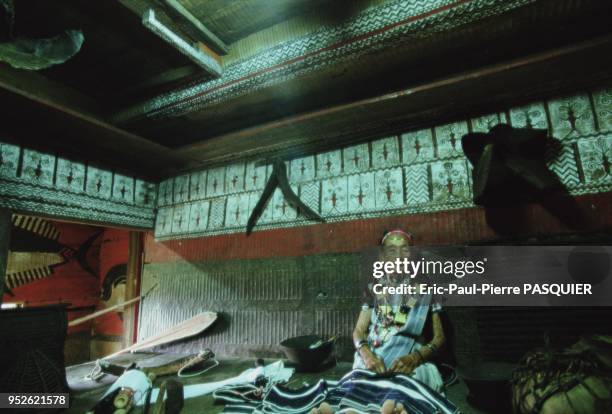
232	20
78	108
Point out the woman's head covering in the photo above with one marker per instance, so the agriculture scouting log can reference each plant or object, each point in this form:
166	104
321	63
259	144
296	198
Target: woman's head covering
396	237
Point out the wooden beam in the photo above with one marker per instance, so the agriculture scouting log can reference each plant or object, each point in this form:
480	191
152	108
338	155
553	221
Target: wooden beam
132	286
168	77
49	117
484	90
198	30
5	240
199	56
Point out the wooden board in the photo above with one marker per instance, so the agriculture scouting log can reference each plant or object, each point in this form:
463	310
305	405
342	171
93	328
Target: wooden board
186	329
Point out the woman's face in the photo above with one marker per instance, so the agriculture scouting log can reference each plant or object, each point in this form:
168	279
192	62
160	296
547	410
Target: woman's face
393	252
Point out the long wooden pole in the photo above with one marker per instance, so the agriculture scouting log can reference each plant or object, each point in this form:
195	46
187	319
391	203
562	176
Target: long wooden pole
5	238
94	315
132	287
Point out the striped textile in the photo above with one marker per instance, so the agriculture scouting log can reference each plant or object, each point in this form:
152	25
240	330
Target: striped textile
361	391
24	277
36	225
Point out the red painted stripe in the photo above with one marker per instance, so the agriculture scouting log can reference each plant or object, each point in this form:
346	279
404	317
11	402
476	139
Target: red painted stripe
313	53
447	227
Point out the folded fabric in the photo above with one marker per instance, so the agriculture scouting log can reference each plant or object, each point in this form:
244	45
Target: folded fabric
273	373
360	391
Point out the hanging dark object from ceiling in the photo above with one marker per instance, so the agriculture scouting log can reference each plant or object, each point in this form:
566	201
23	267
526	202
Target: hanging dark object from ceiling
34	54
278	178
509	165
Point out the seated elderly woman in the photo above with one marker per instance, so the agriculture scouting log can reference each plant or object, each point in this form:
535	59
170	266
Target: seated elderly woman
396	337
398	333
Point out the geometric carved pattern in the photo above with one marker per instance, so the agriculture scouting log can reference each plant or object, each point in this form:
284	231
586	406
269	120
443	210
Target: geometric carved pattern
217	213
70	175
165	190
448	139
430	174
163	221
9	160
361	196
334	196
310	193
180	219
282	210
450	181
65	189
38	167
389	189
417	185
486	122
181	188
417	146
234	178
329	164
529	116
596	155
385	153
571	116
198	216
100	182
394	23
123	189
356	158
197	185
237	211
255	177
302	170
214	182
562	161
145	193
602	100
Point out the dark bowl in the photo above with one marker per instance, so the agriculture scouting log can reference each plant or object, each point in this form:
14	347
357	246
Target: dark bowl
308	359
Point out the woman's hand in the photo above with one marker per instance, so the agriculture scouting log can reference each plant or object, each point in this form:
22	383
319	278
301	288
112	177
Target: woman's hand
372	362
406	364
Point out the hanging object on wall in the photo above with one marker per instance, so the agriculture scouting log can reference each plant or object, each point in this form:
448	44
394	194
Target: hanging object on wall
279	178
35	251
34	54
509	165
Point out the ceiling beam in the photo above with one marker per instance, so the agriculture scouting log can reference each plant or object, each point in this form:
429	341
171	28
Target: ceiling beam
484	90
47	116
195	27
203	58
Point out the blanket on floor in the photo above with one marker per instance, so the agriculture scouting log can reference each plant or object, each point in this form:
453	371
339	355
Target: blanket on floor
359	390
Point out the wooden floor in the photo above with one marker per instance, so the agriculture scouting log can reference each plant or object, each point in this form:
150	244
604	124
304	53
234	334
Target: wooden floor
86	393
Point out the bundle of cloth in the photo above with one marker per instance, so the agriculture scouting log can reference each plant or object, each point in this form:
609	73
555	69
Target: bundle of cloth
358	392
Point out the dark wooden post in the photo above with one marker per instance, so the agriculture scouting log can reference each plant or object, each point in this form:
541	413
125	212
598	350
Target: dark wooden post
5	239
132	287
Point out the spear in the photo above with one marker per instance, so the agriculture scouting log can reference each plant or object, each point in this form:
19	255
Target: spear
94	315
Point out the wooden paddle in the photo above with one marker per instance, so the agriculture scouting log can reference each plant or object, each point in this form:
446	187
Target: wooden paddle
186	329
